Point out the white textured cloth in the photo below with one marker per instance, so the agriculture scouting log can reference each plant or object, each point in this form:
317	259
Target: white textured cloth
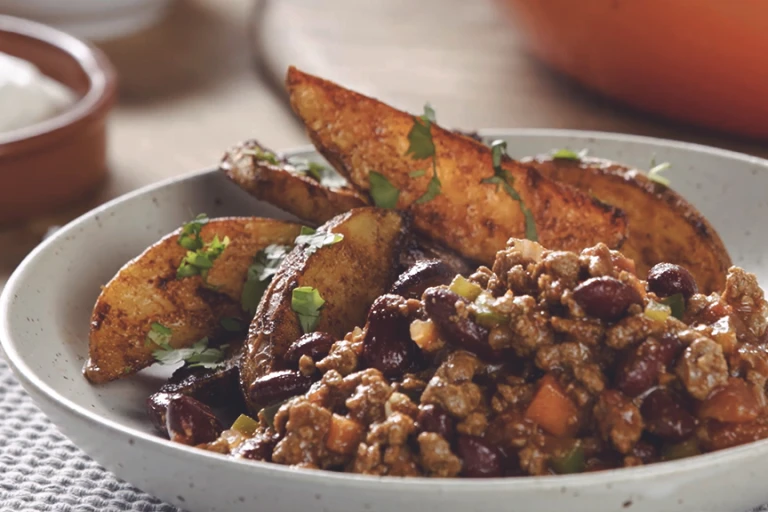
41	470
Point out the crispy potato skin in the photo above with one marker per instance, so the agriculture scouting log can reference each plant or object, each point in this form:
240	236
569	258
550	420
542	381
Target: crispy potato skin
303	197
663	227
349	275
358	134
146	290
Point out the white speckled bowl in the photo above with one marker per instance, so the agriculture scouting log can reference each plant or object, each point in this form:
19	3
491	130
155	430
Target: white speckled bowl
45	308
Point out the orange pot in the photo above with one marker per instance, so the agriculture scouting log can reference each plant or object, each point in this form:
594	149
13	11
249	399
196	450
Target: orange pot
699	61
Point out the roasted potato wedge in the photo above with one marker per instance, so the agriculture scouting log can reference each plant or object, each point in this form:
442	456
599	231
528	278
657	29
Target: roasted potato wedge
271	178
663	227
357	135
146	290
349	275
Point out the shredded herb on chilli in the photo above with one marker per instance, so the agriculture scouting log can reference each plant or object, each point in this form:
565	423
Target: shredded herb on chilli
307	303
314	240
383	193
259	275
502	177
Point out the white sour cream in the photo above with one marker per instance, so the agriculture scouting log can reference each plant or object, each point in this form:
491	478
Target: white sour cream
27	96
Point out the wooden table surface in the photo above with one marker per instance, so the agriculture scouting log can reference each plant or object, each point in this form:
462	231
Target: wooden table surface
208	76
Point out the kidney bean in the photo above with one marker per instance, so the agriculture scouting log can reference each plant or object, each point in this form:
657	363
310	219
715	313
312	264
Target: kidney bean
433	418
387	345
480	459
666	279
191	422
645	451
157	405
278	386
640	371
735	402
259	447
605	297
422	275
440	305
314	344
670	347
665	417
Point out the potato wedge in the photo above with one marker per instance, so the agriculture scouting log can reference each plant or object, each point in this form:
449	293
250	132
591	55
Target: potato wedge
663	226
146	290
279	183
349	275
357	135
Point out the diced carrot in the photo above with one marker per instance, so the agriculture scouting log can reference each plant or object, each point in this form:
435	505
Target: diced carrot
551	409
344	435
733	403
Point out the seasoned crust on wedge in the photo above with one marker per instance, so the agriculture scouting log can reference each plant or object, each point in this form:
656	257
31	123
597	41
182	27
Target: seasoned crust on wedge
358	134
279	184
146	290
663	226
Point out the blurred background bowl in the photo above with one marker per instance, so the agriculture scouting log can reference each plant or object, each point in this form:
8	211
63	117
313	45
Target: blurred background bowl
48	164
697	62
90	19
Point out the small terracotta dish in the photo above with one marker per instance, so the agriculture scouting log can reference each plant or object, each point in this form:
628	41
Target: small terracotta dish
49	164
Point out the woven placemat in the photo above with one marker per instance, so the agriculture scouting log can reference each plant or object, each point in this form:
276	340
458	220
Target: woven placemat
41	470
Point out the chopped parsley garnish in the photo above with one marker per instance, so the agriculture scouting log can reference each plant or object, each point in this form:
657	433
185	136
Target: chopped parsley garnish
421	146
502	177
567	154
323	174
200	261
190	233
307	303
417	174
232	324
158	335
260	154
315	240
654	174
198	355
260	273
383	193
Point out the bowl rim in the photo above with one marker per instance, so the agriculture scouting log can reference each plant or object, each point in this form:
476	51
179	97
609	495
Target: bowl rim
610	479
100	95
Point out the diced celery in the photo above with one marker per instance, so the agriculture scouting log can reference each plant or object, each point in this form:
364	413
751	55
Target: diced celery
687	448
572	461
245	425
465	288
657	311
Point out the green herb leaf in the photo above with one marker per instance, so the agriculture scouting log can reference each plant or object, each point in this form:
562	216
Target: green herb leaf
433	190
429	114
314	240
323	174
502	177
190	233
417	174
384	194
232	324
654	174
567	154
158	334
201	260
260	154
307	303
199	354
420	144
676	303
264	266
